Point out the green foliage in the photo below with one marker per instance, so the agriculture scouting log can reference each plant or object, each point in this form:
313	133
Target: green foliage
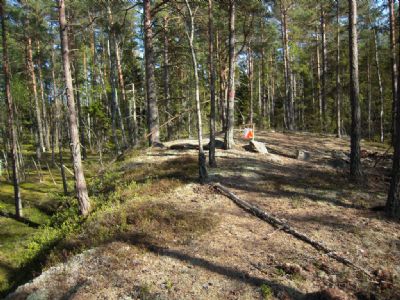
266	292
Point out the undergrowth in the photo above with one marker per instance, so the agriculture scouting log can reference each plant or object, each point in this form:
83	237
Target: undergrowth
125	207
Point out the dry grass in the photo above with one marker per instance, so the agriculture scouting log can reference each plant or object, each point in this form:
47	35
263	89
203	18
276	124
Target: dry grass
169	238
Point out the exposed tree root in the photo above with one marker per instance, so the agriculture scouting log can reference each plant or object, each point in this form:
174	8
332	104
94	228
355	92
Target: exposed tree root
287	228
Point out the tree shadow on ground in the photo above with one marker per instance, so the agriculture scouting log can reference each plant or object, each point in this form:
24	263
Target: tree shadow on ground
146	242
19	219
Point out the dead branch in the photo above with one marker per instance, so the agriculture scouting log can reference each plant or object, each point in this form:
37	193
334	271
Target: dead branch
287	228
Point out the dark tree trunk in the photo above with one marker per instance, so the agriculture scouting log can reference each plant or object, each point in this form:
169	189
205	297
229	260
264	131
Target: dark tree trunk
152	108
355	161
11	118
230	121
393	200
80	182
212	162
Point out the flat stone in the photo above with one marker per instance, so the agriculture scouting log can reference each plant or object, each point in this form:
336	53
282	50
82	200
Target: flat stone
258	147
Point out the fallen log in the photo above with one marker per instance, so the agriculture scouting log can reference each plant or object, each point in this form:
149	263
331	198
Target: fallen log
287	228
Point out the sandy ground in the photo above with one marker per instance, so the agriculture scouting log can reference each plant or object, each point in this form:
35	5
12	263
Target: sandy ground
242	257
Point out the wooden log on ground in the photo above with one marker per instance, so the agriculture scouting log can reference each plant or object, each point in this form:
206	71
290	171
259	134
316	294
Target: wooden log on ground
287	228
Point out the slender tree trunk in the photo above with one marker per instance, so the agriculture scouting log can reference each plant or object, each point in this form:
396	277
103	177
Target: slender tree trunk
338	83
202	157
222	85
167	93
355	161
212	162
369	90
152	108
132	115
39	124
392	23
230	121
251	86
121	82
56	100
80	182
113	56
289	104
393	200
319	85
13	135
114	95
324	68
79	110
46	128
87	104
380	85
62	168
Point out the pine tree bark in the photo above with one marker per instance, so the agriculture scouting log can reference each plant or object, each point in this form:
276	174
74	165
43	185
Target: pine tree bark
13	134
152	108
355	160
212	161
393	200
80	182
230	115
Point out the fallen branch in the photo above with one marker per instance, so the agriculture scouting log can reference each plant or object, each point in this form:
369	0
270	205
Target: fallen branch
287	228
382	156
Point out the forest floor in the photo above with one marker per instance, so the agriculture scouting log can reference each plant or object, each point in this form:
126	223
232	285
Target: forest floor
164	236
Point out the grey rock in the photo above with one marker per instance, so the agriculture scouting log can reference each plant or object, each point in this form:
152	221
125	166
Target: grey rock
258	147
303	155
